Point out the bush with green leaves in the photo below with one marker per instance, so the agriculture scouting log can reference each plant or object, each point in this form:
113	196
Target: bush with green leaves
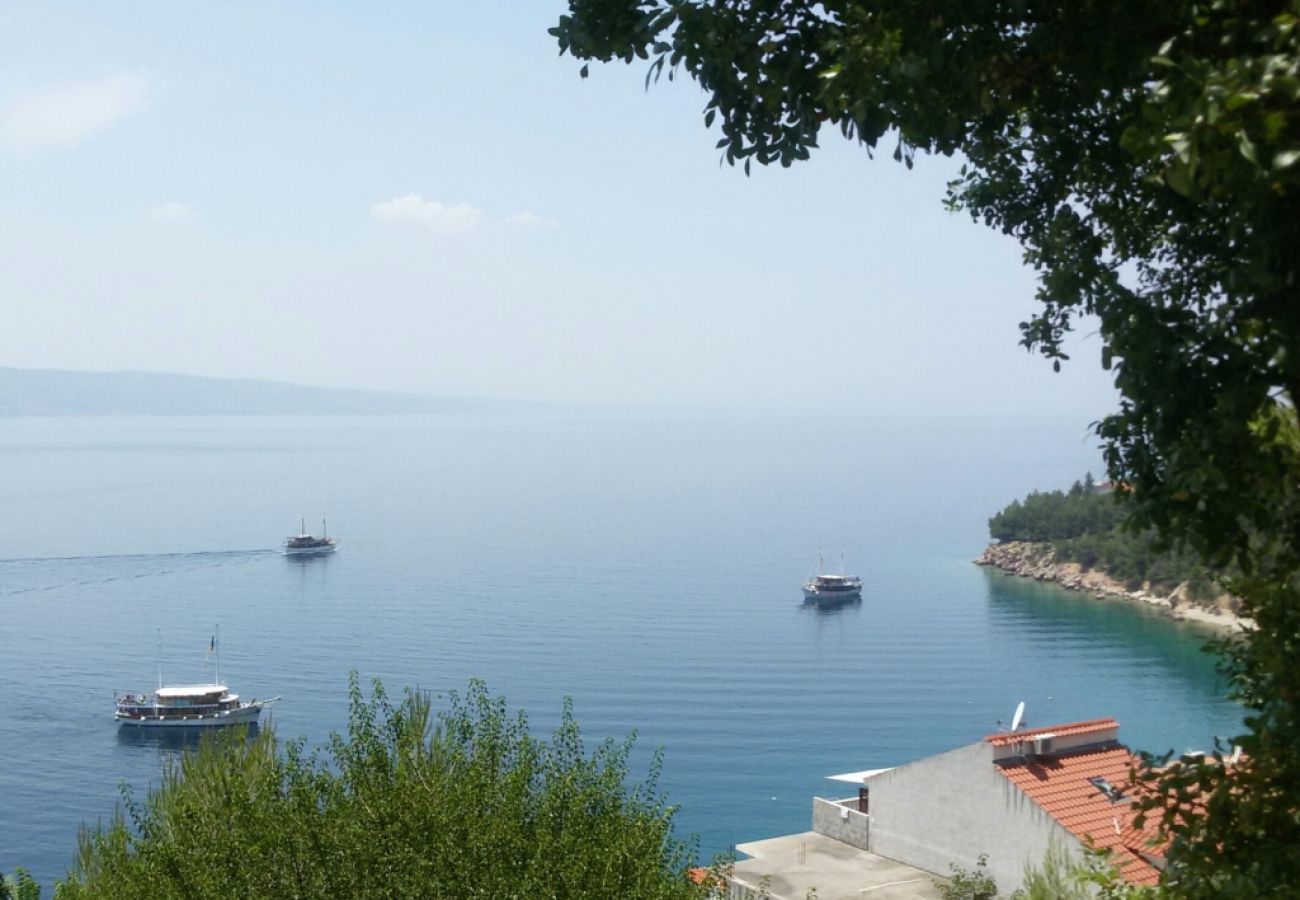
1062	876
20	886
968	884
465	803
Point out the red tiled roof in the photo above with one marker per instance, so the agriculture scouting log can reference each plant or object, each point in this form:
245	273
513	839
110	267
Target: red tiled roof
1060	786
1070	729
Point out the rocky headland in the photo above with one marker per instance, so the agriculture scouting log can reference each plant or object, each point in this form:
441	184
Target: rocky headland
1038	561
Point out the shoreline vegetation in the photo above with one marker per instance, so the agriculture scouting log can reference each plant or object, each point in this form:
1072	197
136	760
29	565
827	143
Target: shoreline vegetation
1076	539
1028	559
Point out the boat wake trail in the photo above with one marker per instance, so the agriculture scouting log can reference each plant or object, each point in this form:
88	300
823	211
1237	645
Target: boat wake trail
52	573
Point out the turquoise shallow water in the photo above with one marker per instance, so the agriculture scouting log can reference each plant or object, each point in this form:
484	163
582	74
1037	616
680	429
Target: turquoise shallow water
646	565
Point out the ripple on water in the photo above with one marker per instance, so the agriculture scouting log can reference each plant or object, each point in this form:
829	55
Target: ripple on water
648	568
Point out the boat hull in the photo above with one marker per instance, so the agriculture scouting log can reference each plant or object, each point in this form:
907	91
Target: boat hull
310	551
832	596
245	715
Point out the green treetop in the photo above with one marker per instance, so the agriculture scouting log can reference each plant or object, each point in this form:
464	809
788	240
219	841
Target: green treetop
1086	525
465	804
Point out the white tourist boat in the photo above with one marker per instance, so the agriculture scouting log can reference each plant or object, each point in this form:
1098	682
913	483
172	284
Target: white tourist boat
841	588
189	705
304	544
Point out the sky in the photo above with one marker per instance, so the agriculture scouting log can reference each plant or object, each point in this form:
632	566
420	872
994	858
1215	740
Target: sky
426	197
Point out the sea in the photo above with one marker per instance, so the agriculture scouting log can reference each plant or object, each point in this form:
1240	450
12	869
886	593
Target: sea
645	564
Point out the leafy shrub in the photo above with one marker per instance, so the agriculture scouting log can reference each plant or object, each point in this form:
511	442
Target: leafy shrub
466	804
19	887
968	884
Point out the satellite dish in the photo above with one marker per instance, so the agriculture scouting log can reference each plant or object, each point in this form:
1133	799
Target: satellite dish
1020	714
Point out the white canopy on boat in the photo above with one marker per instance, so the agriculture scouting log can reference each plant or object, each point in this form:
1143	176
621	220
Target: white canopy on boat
191	690
859	777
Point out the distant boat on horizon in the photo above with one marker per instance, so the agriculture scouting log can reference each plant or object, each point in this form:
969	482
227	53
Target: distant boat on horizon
303	544
824	588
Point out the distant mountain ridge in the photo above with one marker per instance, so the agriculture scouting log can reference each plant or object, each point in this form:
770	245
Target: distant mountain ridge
58	392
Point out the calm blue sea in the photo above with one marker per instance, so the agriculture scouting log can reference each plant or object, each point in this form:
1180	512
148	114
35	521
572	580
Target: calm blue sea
648	565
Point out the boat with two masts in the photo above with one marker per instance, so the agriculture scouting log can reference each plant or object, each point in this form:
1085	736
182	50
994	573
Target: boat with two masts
824	588
189	705
304	544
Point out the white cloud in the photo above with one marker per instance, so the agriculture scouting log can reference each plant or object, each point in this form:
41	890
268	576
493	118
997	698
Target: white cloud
54	118
173	212
428	214
528	219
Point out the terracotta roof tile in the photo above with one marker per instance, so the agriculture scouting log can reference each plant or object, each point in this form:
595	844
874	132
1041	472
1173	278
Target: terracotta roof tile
1060	785
1070	729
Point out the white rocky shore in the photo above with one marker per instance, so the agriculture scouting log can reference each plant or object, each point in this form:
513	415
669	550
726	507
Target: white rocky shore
1038	561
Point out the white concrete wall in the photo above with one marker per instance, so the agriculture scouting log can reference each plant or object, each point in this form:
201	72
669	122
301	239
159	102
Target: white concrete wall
848	826
953	807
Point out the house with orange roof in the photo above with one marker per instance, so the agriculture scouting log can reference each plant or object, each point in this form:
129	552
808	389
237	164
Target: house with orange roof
1009	796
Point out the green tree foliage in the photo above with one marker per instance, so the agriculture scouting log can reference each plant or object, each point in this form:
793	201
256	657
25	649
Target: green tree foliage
968	884
1058	878
19	887
1058	515
464	804
1062	876
1140	559
1089	527
1146	155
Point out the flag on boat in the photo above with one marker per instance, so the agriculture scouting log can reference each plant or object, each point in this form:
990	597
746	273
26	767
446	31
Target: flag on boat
212	643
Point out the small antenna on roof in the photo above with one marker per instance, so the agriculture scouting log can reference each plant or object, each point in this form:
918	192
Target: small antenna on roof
1019	716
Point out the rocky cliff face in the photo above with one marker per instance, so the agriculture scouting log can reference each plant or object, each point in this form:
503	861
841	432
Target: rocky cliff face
1038	561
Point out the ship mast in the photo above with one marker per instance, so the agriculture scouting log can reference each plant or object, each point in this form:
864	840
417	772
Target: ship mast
160	659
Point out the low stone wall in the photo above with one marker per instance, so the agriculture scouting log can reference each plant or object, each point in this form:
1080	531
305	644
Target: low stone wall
845	825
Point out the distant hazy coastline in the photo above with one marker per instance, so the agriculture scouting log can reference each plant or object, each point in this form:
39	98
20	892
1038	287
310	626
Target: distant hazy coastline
1028	559
54	392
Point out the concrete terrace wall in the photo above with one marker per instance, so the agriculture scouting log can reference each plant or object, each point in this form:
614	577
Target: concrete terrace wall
951	808
853	829
740	892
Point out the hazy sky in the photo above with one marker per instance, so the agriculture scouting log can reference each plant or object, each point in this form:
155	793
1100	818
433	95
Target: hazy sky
425	197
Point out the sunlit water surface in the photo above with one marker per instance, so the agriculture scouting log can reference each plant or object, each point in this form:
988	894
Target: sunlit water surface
648	566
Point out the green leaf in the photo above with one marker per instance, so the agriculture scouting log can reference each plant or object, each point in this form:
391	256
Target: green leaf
1247	147
1286	159
1237	101
1177	177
